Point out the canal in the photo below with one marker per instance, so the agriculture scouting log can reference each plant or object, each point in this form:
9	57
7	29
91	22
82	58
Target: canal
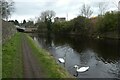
102	56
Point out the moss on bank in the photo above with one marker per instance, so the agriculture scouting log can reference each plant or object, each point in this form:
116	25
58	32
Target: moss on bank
12	66
51	68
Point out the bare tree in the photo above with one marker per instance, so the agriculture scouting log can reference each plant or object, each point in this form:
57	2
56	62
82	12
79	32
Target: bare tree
6	8
47	15
86	11
102	7
116	4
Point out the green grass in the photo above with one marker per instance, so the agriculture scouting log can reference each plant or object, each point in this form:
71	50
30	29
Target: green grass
12	58
51	68
0	60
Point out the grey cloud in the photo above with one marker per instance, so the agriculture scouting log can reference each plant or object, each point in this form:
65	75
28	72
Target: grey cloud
72	7
27	8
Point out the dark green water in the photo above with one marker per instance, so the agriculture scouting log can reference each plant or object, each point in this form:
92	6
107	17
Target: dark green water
102	56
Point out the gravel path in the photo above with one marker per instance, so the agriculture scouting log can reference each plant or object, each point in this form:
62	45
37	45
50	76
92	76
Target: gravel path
31	66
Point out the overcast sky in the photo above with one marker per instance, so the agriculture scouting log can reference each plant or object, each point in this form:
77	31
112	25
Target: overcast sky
29	9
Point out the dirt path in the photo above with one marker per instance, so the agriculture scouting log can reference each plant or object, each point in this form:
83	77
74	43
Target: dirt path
31	67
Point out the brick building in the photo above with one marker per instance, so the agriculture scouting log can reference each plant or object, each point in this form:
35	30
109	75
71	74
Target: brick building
59	19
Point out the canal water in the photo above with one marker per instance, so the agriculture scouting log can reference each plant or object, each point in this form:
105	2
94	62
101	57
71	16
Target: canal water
102	56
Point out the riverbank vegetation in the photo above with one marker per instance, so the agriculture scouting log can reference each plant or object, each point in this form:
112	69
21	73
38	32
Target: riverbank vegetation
51	68
12	66
105	25
108	25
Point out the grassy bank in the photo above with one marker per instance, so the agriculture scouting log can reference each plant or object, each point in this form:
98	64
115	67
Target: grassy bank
0	60
51	68
12	58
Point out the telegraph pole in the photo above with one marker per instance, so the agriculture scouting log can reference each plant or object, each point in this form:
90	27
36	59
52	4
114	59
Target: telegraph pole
67	16
119	6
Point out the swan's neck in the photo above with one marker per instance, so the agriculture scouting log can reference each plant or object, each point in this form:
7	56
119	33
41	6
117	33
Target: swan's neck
77	67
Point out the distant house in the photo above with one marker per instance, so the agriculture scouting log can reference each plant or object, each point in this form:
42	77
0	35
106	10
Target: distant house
61	19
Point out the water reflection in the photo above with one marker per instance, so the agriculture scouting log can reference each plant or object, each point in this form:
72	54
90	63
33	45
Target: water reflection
102	56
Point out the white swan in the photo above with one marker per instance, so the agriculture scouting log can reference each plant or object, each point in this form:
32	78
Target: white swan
61	60
81	69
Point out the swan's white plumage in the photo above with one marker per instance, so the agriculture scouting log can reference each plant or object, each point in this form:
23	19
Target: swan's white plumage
81	69
61	60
